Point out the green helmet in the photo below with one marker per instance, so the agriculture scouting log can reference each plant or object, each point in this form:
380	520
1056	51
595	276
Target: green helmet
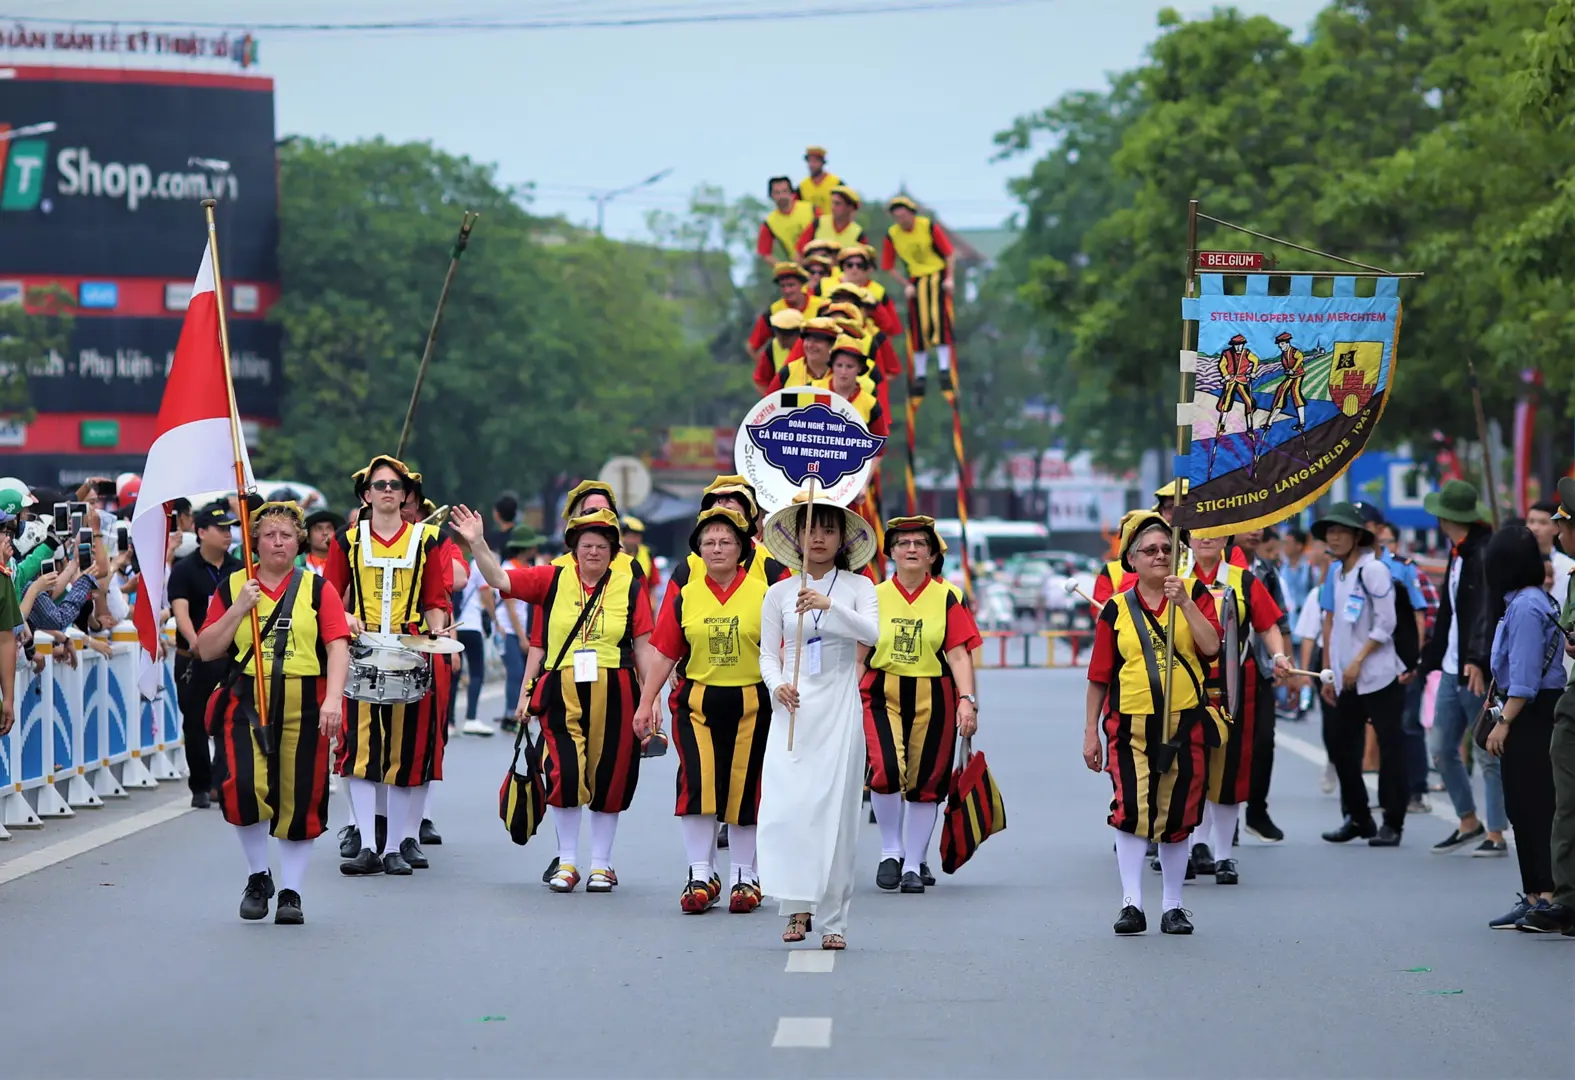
14	495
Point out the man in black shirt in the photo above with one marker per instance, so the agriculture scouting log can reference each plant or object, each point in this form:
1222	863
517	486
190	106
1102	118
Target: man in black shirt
505	518
192	582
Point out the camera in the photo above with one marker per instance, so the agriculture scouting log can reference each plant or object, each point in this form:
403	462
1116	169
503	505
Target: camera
1495	712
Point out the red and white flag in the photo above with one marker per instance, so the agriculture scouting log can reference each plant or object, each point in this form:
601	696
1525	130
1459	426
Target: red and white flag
193	452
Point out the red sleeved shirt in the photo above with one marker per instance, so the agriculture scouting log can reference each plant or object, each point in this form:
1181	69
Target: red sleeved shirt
1102	662
531	583
960	628
888	255
668	637
766	242
942	242
331	622
761	334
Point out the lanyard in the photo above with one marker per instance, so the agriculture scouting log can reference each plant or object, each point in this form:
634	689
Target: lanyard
818	613
601	601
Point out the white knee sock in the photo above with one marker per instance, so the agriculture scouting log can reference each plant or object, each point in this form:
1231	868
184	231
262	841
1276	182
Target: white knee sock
363	797
741	848
921	361
420	810
943	353
1131	852
567	824
415	812
1173	871
1204	833
1224	829
920	824
292	863
254	844
699	834
888	815
398	816
604	828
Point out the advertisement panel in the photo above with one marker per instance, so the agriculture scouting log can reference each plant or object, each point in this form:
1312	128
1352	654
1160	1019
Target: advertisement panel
117	366
104	172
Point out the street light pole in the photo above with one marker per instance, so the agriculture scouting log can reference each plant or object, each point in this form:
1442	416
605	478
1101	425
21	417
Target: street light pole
602	198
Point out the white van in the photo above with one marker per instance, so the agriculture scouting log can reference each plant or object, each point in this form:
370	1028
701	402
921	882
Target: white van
992	539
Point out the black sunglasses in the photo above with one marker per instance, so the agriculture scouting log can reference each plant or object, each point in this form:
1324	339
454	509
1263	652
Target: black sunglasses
387	485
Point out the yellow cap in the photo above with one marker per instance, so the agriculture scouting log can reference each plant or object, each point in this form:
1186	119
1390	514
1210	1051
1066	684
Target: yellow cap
787	319
847	193
815	151
820	327
904	202
633	524
1169	490
860	251
845	343
847	288
584	488
823	244
601	520
788	269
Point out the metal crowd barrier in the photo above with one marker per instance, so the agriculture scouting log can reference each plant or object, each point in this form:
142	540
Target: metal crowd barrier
1035	649
82	735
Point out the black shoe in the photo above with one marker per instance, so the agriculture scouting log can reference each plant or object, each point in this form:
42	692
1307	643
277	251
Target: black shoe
1155	866
288	911
925	875
1264	829
1386	837
1350	830
429	833
1225	873
872	816
889	874
552	868
411	852
200	800
1457	840
1553	919
394	863
911	883
365	862
1175	921
721	837
1202	859
1235	836
1131	921
380	831
254	901
349	842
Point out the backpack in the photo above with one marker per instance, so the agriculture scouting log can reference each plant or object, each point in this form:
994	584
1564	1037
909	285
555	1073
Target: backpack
1407	642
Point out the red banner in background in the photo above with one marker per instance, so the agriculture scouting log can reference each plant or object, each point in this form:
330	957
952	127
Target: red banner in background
697	449
1525	436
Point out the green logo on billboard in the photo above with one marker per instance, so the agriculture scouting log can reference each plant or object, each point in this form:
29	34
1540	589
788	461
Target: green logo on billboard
24	174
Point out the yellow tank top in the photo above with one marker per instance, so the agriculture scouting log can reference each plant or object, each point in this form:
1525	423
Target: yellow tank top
826	229
385	577
609	629
916	248
723	633
798	374
818	194
304	652
1131	683
788	227
1234	578
912	632
761	566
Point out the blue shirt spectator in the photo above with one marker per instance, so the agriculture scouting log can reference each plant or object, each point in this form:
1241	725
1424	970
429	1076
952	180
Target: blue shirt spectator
1520	664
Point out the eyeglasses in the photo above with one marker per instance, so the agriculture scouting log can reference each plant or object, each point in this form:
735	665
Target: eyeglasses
855	264
387	485
1155	551
911	542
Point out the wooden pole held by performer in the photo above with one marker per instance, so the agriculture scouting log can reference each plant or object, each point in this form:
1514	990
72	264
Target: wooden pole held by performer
803	570
242	489
460	242
1487	449
1182	438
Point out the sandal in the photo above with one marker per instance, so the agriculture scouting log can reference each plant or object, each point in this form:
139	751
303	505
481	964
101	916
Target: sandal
696	898
601	881
565	879
832	942
798	925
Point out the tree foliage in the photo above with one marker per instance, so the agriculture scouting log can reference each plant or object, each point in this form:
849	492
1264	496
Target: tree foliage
37	329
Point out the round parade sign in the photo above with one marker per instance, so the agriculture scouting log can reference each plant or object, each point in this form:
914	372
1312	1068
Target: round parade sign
792	435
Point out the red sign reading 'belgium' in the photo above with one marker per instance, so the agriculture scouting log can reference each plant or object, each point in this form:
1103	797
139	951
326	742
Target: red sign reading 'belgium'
1230	260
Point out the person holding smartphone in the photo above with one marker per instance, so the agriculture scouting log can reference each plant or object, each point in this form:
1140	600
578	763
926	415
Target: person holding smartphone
10	621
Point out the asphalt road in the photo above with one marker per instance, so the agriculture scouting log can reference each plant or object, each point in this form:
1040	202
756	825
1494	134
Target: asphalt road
127	959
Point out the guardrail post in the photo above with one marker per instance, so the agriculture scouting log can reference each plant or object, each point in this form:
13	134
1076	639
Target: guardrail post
125	723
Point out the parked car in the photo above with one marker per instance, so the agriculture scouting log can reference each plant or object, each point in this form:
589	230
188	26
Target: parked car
1037	581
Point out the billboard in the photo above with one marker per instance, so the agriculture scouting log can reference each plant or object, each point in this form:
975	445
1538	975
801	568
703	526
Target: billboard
103	172
117	366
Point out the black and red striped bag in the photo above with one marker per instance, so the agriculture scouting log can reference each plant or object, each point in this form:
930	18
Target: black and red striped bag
974	810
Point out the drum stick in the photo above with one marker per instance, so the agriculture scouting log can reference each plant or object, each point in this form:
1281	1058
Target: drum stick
803	569
1071	589
1326	676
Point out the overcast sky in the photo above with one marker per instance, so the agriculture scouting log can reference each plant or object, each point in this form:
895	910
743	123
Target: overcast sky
898	99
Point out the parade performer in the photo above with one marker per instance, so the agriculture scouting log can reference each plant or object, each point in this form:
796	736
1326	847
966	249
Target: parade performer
850	370
780	232
1289	389
814	367
735	493
918	697
810	796
596	622
838	225
634	546
391	578
857	263
931	264
790	278
445	669
816	188
321	525
822	273
1240	600
721	707
1157	764
785	327
276	779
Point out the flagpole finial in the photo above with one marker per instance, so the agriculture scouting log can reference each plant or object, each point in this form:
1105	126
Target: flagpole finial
209	204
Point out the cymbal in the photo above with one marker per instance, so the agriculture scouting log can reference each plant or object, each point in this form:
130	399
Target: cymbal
426	644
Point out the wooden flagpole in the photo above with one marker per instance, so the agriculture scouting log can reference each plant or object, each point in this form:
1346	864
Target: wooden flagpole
1183	436
466	223
238	444
803	571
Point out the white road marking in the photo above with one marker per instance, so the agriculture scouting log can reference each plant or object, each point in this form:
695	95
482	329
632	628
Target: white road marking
59	852
802	1033
811	961
1443	810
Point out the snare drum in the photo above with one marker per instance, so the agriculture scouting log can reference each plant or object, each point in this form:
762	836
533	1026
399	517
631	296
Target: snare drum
385	672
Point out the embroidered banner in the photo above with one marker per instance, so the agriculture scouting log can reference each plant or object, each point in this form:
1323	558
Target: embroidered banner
1288	391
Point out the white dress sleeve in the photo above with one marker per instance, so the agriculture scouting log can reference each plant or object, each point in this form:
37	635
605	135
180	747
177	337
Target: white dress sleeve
771	640
861	621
